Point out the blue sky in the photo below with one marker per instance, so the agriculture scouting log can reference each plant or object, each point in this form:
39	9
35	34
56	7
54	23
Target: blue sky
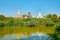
10	7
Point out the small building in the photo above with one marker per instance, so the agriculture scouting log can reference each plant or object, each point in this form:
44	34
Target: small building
29	15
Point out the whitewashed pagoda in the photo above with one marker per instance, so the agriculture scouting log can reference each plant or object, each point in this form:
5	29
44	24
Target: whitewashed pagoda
19	14
39	15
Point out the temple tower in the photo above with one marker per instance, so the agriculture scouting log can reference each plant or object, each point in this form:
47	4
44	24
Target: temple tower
19	14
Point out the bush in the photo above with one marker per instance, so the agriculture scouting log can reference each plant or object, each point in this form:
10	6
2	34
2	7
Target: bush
2	24
11	23
31	25
58	29
49	24
54	36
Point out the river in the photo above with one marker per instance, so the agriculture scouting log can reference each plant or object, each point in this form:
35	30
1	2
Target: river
33	36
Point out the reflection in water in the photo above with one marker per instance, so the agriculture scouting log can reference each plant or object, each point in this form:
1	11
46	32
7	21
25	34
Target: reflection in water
8	37
34	36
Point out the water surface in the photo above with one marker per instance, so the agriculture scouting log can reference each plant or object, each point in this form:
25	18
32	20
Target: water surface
33	36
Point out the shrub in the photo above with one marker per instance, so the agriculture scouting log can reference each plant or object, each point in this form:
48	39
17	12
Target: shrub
58	29
49	24
31	25
2	24
11	23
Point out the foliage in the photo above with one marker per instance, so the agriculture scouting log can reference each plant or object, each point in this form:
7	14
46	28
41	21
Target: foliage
2	24
50	24
2	17
58	29
56	34
48	20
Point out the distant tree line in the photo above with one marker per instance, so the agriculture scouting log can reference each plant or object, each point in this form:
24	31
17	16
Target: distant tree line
48	20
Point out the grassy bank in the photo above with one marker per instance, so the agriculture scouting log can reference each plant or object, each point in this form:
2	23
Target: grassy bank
24	30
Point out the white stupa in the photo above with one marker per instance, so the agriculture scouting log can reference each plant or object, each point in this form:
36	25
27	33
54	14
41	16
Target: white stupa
39	15
19	14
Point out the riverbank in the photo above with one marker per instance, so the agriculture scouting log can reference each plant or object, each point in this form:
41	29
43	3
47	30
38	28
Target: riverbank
24	30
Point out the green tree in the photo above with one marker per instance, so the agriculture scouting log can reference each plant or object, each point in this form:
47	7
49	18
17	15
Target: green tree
48	16
11	23
58	29
2	24
56	34
54	17
2	17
